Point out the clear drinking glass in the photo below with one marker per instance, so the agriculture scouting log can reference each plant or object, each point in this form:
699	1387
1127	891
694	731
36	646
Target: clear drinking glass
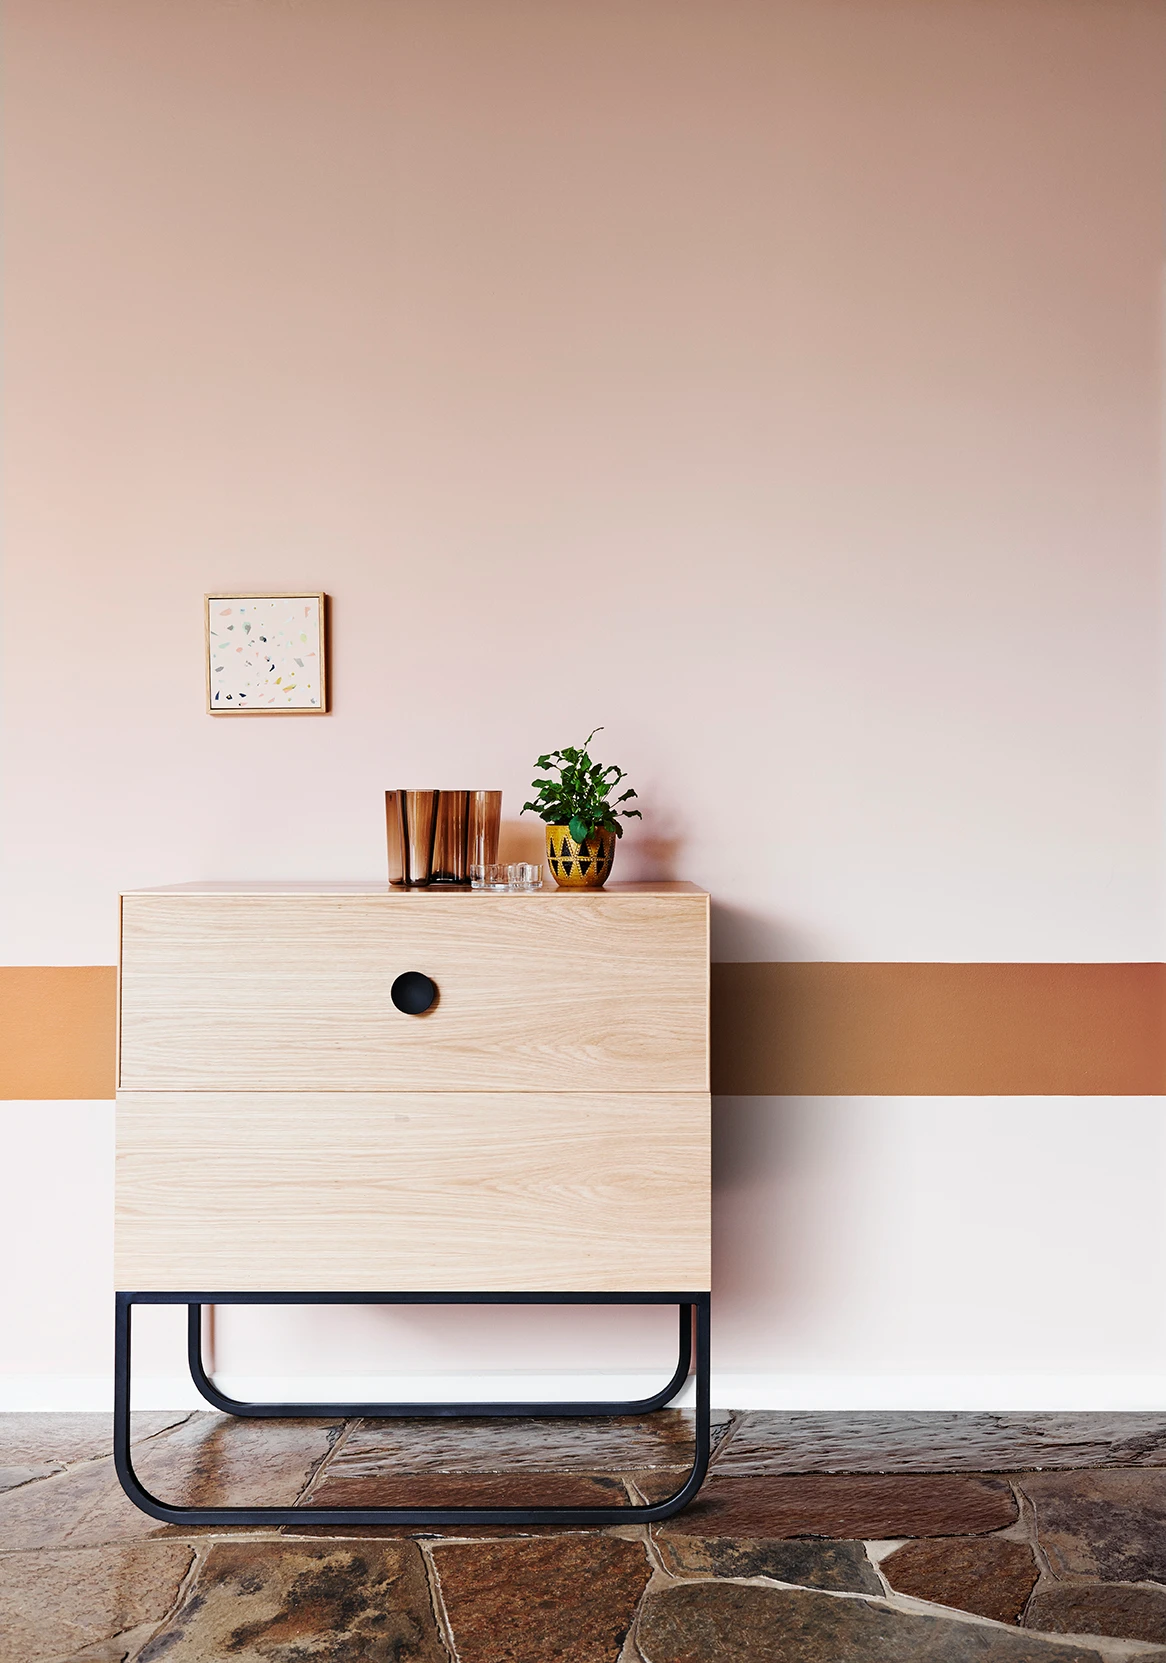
525	874
489	875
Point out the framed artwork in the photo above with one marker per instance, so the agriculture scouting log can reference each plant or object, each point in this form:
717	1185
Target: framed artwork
266	655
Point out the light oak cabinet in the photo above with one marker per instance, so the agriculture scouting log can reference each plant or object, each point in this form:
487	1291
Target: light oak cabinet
544	1126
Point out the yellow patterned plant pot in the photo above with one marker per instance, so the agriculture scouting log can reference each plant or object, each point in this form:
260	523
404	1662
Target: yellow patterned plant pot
580	865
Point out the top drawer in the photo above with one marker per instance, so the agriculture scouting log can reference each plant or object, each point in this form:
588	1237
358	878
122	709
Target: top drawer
542	992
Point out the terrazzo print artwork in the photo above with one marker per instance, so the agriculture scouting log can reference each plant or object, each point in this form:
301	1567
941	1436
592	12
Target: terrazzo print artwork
266	653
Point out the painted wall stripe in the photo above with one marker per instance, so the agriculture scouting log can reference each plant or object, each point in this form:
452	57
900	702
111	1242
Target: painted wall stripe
809	1028
938	1029
57	1025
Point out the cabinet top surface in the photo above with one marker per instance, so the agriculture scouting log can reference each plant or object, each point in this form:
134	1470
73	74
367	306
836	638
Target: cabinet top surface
418	897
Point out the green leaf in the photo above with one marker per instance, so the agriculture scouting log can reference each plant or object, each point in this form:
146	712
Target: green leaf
580	798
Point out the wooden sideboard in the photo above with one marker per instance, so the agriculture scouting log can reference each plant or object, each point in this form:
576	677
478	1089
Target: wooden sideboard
541	1130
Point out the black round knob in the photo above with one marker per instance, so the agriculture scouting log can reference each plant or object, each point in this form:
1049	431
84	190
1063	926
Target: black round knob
413	993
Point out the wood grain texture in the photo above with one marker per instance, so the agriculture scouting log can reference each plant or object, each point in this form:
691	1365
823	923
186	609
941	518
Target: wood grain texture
249	992
390	1192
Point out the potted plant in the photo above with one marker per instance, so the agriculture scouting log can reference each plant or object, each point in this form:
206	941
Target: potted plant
582	820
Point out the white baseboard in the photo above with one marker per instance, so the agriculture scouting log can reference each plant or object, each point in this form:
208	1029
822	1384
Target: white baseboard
95	1392
949	1393
1071	1393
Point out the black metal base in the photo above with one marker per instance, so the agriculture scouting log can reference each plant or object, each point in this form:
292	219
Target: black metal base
690	1304
275	1411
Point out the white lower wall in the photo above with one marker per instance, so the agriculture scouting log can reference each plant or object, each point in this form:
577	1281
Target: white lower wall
917	1252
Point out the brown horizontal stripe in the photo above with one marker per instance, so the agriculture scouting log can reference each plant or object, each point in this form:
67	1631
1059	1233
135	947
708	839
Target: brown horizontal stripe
815	1029
921	1029
57	1029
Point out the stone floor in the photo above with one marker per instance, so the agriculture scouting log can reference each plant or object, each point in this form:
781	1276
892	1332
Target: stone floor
817	1538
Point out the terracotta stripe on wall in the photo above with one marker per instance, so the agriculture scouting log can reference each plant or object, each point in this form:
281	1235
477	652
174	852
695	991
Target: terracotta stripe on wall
815	1029
922	1029
57	1026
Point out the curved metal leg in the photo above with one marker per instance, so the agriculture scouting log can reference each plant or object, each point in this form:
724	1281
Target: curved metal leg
417	1516
274	1411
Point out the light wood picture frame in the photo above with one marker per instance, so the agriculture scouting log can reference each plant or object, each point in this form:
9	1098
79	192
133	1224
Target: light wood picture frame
266	655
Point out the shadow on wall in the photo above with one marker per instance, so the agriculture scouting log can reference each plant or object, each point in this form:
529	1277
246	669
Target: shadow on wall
523	840
643	856
799	1218
649	858
772	1157
761	1148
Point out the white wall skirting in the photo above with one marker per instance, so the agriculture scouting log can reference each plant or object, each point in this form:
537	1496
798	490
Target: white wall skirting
1034	1392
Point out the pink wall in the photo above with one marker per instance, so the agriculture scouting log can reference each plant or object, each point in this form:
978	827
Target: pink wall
777	383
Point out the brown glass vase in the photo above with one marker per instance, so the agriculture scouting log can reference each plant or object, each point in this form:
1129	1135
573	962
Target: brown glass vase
485	820
449	839
410	821
585	865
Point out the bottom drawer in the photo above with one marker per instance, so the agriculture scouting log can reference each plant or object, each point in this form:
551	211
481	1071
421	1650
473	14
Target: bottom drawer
394	1192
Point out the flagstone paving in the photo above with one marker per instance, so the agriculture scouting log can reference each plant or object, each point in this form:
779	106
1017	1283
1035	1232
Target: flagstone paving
805	1442
817	1538
988	1575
